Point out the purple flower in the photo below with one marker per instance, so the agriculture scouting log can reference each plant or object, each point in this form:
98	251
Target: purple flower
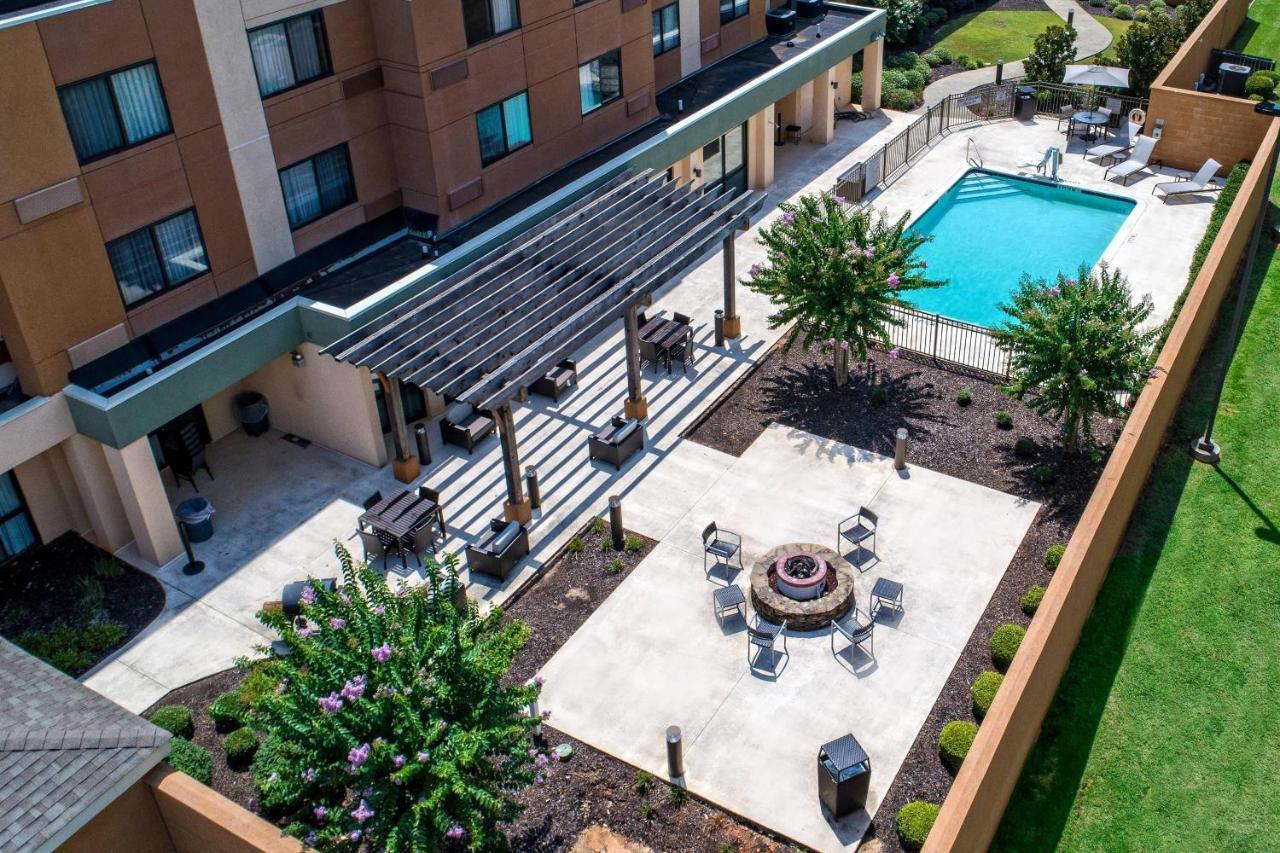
539	680
331	703
358	755
840	199
869	252
754	271
353	689
893	280
1071	282
1153	373
455	831
398	761
539	778
844	345
320	812
423	756
306	631
831	342
788	217
252	805
1084	371
310	840
542	760
1055	290
355	835
402	591
382	653
924	265
546	715
378	609
895	352
337	624
362	812
308	775
308	595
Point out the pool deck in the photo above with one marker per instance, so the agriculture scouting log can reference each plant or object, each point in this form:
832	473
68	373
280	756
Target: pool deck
1153	247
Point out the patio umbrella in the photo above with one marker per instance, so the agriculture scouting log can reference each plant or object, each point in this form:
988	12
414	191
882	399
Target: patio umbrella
1097	75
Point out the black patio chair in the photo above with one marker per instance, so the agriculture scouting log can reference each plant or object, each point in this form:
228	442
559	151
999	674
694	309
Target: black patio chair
374	548
857	529
764	636
855	633
721	544
682	319
371	501
434	496
682	352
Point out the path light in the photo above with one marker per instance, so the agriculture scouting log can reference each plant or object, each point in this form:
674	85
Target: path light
531	487
900	450
615	522
675	753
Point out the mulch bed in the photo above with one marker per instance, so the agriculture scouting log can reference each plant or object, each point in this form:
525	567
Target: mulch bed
797	389
40	588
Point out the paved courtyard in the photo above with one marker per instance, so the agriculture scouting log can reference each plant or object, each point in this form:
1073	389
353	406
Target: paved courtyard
653	654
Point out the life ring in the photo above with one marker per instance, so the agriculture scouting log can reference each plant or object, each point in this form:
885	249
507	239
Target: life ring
1137	116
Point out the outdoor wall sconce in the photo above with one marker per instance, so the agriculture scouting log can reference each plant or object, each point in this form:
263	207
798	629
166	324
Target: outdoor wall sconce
697	173
297	358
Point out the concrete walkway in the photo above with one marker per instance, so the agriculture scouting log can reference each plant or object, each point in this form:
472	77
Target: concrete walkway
1091	38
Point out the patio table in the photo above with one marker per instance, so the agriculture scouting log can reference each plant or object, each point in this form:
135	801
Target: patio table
398	516
664	334
1090	120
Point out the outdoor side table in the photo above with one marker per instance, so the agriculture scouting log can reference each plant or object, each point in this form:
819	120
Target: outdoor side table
885	593
729	598
844	776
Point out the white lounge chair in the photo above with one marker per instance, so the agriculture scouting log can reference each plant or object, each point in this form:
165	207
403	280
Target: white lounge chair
1138	160
1201	182
1112	150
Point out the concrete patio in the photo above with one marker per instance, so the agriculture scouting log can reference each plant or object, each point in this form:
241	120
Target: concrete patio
653	655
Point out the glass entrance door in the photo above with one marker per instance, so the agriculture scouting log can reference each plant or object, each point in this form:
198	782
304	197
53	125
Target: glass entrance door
724	161
17	533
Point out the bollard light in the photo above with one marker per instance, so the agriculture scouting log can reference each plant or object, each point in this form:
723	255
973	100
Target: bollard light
675	753
615	522
719	327
531	486
900	450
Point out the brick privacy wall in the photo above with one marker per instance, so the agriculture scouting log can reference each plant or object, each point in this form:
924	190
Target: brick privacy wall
977	799
1216	30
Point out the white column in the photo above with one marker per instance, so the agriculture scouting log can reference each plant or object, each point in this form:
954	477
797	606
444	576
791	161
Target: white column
690	37
824	107
146	506
222	29
872	74
844	82
760	149
97	492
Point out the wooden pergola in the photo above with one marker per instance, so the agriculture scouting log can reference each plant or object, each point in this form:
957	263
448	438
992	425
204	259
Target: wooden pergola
486	332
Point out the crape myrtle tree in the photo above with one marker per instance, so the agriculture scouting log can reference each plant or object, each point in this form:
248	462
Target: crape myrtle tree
835	274
1075	347
392	727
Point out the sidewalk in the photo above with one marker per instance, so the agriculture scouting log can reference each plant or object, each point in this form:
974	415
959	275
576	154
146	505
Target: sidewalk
1091	38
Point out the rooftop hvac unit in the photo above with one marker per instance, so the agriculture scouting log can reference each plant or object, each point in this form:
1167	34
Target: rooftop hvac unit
1231	79
809	8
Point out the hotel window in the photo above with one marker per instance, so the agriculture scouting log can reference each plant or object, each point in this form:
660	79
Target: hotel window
161	256
600	81
503	128
289	53
666	29
485	19
733	9
317	186
114	111
17	533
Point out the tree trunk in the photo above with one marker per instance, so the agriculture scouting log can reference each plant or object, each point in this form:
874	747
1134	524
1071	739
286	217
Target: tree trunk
842	367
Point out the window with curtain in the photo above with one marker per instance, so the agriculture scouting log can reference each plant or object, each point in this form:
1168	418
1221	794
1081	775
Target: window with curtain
600	81
289	53
504	127
161	256
17	533
114	111
666	29
317	186
733	9
484	19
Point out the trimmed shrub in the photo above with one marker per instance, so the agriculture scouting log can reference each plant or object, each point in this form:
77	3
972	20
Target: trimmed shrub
632	543
915	78
899	99
944	53
1004	419
914	821
229	711
964	397
983	691
855	87
1053	556
614	567
175	719
1261	83
1030	602
240	747
1024	447
192	759
934	60
1097	4
1158	5
1123	11
894	78
902	61
1045	475
954	742
262	681
962	59
971	64
1142	13
1004	644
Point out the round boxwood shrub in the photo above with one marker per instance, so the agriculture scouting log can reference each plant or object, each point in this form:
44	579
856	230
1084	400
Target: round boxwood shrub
954	742
945	54
175	719
240	747
1024	447
1260	83
914	79
894	78
914	821
983	692
1004	419
903	100
934	60
964	397
1030	602
1044	475
229	711
971	64
192	759
1053	556
1158	5
1142	13
1123	11
1004	644
901	61
962	59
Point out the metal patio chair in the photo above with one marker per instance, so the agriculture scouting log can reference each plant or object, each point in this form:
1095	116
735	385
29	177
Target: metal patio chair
857	529
721	544
374	548
371	501
855	633
764	636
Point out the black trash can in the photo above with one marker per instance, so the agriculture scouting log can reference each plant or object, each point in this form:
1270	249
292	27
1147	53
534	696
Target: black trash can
844	775
196	515
252	412
1024	108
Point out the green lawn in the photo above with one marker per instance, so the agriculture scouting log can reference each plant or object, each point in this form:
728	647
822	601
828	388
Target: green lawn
1165	732
992	36
1117	28
1259	34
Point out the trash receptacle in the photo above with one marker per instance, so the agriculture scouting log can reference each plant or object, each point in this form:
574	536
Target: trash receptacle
844	775
1024	107
197	516
252	412
424	445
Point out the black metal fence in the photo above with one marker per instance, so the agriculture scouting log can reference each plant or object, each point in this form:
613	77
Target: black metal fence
1219	55
950	343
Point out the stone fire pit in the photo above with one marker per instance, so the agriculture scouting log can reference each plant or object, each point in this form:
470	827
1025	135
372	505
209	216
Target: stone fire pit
805	584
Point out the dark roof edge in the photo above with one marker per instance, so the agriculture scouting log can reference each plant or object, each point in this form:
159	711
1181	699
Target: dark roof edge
27	13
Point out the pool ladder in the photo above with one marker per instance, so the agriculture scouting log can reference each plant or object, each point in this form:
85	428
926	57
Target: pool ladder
972	154
1050	162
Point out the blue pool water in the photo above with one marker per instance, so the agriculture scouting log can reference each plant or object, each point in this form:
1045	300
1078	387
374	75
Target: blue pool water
990	228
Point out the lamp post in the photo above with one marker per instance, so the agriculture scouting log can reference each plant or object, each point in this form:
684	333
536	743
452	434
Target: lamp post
1204	448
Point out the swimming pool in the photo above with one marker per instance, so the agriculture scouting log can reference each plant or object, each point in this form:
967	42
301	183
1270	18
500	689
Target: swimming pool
990	228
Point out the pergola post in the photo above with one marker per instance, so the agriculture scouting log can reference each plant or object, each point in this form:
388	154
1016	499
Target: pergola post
636	406
732	322
516	507
405	465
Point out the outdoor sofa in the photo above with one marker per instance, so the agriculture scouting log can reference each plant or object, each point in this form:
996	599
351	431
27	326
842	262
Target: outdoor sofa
499	549
463	426
557	381
617	442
